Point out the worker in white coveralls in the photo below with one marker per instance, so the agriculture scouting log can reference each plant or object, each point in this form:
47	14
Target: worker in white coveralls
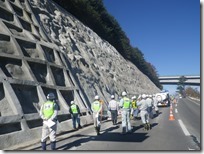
150	106
113	107
135	110
142	105
155	105
48	113
96	107
125	105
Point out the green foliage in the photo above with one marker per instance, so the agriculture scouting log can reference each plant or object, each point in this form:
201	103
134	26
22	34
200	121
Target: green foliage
192	92
94	15
181	84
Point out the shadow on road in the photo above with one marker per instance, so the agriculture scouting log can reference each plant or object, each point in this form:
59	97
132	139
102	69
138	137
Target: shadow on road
107	136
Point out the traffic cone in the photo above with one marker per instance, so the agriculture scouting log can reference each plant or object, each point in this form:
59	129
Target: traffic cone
171	116
171	106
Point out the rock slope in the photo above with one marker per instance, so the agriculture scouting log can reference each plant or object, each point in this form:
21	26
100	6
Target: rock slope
45	49
97	66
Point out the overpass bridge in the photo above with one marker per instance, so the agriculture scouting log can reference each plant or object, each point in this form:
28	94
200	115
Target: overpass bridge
193	80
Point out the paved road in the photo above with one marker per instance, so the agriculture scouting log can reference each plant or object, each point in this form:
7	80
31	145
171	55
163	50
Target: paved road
189	112
165	135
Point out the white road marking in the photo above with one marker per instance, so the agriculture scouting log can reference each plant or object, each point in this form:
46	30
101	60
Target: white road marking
176	111
184	128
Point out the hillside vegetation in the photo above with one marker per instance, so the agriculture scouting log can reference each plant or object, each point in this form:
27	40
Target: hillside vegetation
94	15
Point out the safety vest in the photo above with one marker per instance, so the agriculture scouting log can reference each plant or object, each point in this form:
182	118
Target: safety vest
126	103
134	104
48	109
96	106
74	108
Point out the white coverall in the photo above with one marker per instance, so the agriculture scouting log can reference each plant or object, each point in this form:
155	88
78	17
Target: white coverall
49	131
142	105
155	104
126	126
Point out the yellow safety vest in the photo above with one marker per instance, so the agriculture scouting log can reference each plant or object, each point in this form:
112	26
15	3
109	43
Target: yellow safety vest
96	106
74	108
134	104
48	109
126	103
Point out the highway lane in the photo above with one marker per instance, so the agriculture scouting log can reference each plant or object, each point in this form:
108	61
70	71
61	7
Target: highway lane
189	112
165	135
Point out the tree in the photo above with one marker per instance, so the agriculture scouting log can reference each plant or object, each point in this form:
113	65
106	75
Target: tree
192	92
181	85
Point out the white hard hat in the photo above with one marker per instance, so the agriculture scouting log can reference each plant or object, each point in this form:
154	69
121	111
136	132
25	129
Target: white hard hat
50	96
124	93
150	96
72	102
96	97
134	97
112	96
143	96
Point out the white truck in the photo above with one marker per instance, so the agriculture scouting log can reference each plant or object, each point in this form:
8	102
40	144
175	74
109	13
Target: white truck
163	98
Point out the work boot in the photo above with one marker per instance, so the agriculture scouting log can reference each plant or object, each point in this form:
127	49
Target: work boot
79	127
114	123
145	127
148	126
53	145
124	130
98	130
43	144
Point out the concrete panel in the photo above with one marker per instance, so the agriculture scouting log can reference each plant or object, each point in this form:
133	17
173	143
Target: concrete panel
31	66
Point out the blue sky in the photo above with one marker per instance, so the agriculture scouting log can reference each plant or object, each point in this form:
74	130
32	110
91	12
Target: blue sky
166	31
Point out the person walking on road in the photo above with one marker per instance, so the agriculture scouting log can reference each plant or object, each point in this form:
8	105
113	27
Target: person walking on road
125	105
155	105
142	105
113	107
75	114
135	109
96	107
48	113
150	106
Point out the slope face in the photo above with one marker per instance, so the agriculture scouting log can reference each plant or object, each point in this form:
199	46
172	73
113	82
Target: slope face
45	49
97	66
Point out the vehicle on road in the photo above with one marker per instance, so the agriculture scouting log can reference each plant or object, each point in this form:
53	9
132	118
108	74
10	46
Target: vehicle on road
163	99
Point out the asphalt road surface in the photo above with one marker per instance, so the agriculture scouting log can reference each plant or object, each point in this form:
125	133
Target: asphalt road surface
180	134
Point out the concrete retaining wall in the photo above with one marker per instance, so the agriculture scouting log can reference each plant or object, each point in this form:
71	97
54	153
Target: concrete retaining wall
31	66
